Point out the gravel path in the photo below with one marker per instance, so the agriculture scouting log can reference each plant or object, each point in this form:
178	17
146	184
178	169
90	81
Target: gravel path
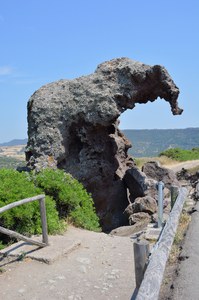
101	268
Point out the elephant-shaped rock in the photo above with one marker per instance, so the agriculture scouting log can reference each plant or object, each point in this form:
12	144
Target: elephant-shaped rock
73	125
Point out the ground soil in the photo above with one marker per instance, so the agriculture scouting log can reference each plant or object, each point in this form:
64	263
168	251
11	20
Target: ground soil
101	268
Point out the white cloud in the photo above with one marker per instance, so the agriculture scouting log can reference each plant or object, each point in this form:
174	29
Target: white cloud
5	70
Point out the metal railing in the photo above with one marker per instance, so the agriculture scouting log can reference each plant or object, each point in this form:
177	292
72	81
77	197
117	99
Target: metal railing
14	234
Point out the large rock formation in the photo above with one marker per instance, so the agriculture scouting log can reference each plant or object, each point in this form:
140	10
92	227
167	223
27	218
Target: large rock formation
73	125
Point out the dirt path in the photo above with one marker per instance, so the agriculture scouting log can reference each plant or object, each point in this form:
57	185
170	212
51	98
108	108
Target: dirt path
185	164
101	268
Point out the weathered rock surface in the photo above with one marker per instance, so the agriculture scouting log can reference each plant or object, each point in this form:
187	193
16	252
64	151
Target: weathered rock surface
141	210
135	181
145	204
196	194
139	218
142	204
72	124
192	180
155	171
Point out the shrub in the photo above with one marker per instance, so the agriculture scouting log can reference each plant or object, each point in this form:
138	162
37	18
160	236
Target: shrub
72	200
180	154
25	219
65	198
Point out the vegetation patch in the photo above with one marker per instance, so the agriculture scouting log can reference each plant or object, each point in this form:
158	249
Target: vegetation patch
163	160
184	221
24	219
181	154
66	200
174	257
72	200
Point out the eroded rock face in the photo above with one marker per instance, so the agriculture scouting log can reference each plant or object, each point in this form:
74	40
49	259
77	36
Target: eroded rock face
136	182
73	125
155	171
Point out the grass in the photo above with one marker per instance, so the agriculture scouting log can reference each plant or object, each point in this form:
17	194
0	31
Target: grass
170	272
181	154
2	270
193	170
163	160
170	157
184	221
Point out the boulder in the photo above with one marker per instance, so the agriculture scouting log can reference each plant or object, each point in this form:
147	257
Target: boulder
183	174
73	125
139	217
130	230
145	204
155	171
135	180
151	188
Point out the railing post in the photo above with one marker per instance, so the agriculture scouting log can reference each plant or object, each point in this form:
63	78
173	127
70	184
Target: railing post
160	188
141	254
11	233
43	220
174	195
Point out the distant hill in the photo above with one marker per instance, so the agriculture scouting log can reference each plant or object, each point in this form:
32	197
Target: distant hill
150	142
14	143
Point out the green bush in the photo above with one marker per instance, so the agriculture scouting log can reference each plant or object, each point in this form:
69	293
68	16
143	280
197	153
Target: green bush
71	198
65	199
180	154
25	219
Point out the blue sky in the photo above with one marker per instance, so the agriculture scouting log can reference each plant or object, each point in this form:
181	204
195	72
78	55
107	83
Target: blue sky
43	41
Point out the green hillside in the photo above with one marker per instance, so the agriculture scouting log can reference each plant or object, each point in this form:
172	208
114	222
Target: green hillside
150	142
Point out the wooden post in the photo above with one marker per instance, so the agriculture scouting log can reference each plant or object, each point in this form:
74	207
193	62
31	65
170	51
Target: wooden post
20	202
19	236
141	253
11	233
174	195
43	220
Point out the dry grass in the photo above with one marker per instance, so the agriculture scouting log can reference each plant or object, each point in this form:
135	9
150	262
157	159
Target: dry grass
13	151
193	170
185	218
163	160
172	263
